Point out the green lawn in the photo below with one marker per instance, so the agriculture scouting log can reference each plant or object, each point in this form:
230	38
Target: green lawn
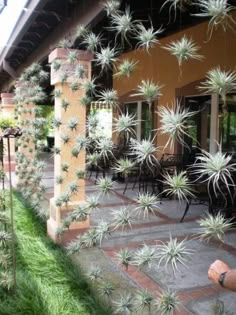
47	281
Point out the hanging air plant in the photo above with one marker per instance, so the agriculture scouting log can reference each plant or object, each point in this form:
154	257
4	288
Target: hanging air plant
112	7
176	5
103	230
124	257
145	256
125	124
122	218
174	123
143	300
147	37
65	104
178	185
80	71
184	49
89	86
106	57
92	41
167	303
124	305
144	152
95	273
146	204
65	138
219	82
219	12
123	167
149	91
109	97
105	184
125	68
72	56
106	289
72	124
81	31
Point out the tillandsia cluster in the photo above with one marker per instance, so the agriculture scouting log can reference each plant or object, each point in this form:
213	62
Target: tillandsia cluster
29	169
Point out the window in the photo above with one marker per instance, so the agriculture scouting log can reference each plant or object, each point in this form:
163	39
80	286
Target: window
144	116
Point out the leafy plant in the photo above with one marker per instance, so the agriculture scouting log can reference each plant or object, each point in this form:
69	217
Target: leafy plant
112	6
122	218
146	203
124	257
143	300
7	122
144	152
125	124
149	91
147	37
106	57
167	303
92	41
145	256
109	97
176	4
125	68
103	230
124	304
105	184
123	166
72	123
106	289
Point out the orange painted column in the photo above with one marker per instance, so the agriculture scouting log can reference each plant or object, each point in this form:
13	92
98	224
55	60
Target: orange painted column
73	112
8	111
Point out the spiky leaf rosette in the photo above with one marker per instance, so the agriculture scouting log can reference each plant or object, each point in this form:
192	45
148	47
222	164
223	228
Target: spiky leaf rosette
143	300
145	256
124	257
144	152
74	247
219	12
123	166
92	41
178	185
105	184
174	123
184	49
5	239
103	230
89	238
147	36
216	169
109	97
149	91
125	124
146	204
122	218
219	82
94	273
106	57
167	303
124	305
214	227
112	7
176	4
105	147
106	289
174	253
125	68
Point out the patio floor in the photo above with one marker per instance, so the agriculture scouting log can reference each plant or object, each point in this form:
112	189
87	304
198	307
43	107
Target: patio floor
197	293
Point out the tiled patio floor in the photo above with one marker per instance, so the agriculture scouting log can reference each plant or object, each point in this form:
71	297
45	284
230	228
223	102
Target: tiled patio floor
196	292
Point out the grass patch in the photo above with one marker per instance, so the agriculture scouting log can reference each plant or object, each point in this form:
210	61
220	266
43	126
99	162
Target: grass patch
47	281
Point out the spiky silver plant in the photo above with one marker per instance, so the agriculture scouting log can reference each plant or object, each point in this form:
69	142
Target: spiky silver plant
89	238
65	138
65	104
214	227
92	41
147	37
125	68
220	82
89	86
216	169
81	31
105	185
144	152
106	57
80	71
124	257
178	185
106	289
109	97
72	56
219	12
124	305
125	124
176	4
184	49
122	218
92	159
149	91
123	167
112	7
5	239
145	256
167	303
93	202
173	253
146	203
94	273
103	230
74	247
174	123
143	300
72	123
80	213
105	147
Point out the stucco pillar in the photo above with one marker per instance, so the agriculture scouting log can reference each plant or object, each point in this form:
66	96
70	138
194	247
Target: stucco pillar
214	124
77	112
8	111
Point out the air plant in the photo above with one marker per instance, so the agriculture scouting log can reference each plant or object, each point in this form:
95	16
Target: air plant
147	37
149	91
79	71
80	213
143	300
105	185
63	77
95	273
85	100
93	202
167	303
124	305
146	203
75	151
124	257
6	280
173	253
72	123
184	49
125	68
82	142
89	238
56	65
106	289
64	104
109	97
57	122
65	138
65	167
105	147
89	86
92	41
73	187
214	227
144	152
65	197
123	166
178	185
80	174
106	57
92	159
219	12
176	4
174	123
74	247
122	218
145	256
64	43
57	93
125	124
216	169
112	7
81	31
5	239
72	56
74	86
219	82
103	230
